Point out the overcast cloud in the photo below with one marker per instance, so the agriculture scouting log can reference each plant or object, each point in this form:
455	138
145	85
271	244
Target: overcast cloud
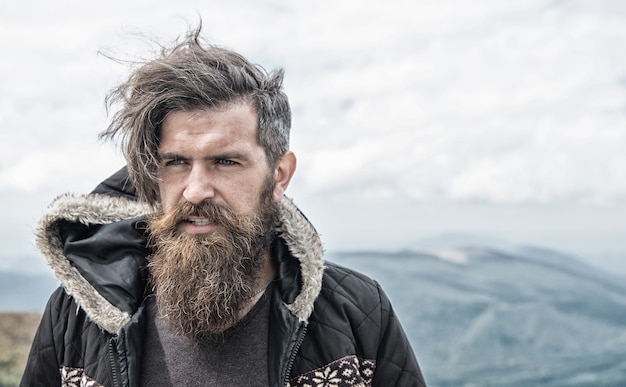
410	117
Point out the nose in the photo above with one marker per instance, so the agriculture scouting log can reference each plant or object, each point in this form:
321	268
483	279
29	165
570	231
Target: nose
199	186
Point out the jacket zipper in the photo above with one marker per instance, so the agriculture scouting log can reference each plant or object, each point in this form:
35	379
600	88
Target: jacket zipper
114	362
296	348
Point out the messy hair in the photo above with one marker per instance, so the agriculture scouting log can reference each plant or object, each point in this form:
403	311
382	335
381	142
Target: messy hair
192	75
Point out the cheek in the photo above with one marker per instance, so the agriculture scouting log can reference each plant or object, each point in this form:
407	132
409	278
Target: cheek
246	198
167	196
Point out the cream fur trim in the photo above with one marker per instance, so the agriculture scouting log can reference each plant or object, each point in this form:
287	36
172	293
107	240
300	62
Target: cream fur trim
304	243
91	209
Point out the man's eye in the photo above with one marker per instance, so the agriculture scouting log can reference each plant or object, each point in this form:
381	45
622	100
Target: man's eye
173	162
225	162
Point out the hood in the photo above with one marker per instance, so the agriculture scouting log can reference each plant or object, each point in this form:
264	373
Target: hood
96	247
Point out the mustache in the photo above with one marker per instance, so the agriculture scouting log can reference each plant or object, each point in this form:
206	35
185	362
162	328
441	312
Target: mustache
206	209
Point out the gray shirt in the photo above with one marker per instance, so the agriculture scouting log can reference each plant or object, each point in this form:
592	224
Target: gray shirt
241	360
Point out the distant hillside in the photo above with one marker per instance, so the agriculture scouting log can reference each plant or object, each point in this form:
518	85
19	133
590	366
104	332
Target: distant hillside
16	334
22	299
483	317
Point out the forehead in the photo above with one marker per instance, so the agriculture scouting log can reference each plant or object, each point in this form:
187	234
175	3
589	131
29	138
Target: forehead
237	121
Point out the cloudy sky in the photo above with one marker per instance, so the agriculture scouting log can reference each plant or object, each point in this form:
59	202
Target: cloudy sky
412	119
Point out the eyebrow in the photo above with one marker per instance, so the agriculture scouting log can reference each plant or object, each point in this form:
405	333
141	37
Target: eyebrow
220	156
170	156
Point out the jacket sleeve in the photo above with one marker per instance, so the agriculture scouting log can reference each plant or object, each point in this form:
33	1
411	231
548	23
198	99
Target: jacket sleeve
42	368
396	364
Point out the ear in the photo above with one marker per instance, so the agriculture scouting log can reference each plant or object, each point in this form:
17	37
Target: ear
285	168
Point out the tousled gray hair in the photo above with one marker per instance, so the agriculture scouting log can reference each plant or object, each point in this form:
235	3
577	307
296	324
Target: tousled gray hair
192	75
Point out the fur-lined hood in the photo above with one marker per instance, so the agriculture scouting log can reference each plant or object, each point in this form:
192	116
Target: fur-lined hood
103	278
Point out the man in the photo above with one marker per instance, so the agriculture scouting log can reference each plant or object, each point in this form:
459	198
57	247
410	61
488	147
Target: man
190	267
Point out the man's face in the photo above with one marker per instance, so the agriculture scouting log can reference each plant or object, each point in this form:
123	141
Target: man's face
213	233
212	155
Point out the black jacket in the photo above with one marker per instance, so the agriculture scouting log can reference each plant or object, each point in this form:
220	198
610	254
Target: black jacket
327	323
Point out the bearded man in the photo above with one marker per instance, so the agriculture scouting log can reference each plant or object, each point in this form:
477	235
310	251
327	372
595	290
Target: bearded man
190	267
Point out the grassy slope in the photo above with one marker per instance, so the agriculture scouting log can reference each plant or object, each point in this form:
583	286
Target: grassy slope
16	334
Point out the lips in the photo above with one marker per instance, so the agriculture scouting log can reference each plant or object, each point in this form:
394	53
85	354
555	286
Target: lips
199	225
199	221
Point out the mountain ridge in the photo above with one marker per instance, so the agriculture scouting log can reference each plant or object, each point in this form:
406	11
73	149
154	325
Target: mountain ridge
505	318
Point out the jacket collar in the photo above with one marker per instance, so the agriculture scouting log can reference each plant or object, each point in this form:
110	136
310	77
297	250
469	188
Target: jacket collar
98	211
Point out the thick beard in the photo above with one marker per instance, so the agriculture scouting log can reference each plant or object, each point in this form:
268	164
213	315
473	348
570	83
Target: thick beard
203	283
